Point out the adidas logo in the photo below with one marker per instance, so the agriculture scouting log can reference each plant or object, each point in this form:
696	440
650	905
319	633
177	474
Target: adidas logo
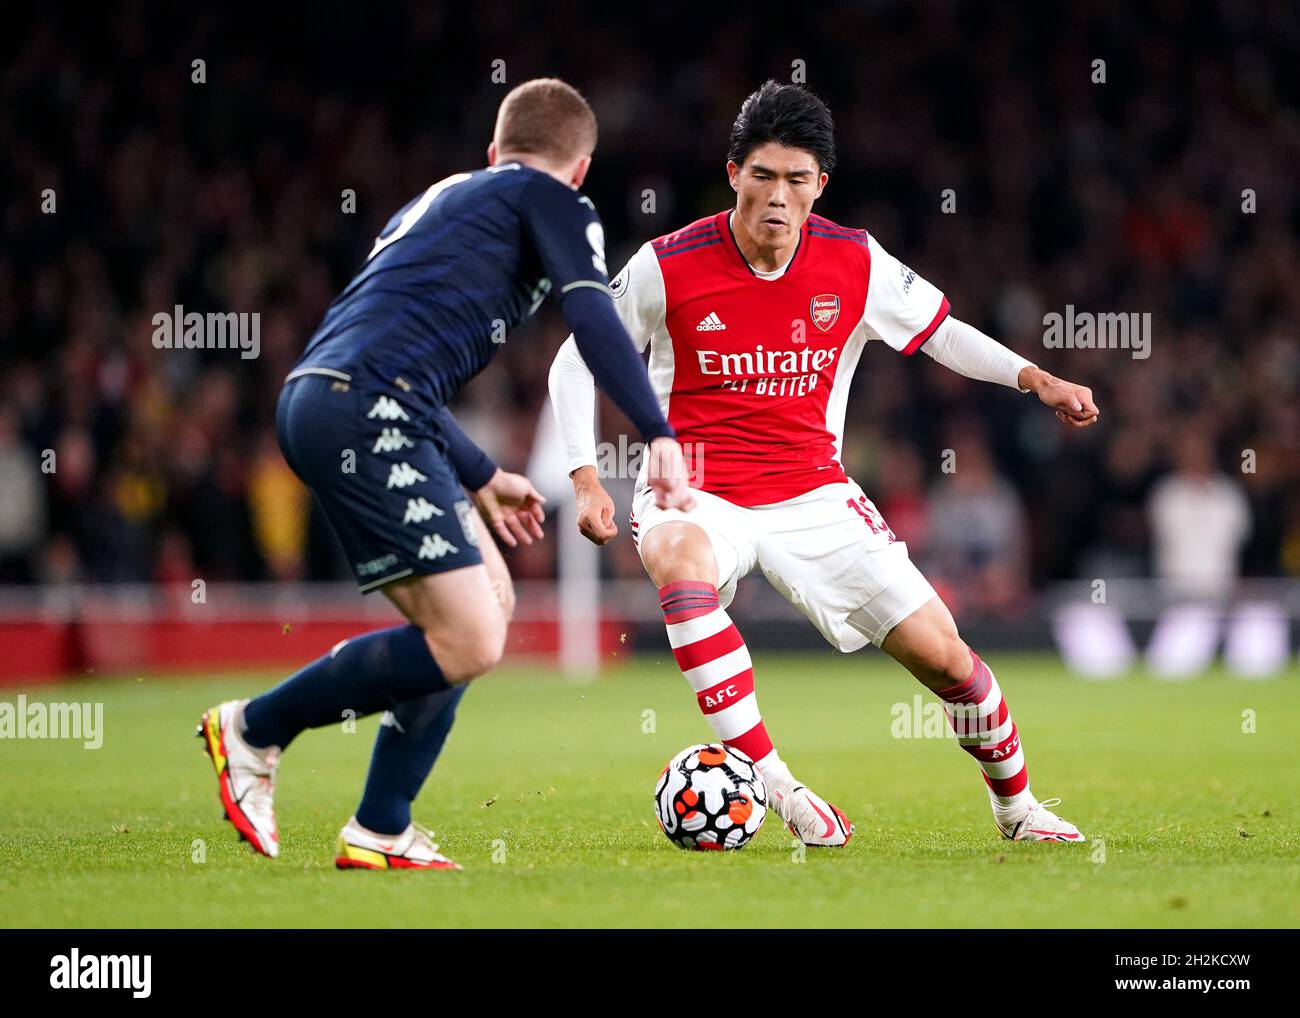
391	440
711	324
403	475
420	509
387	409
436	546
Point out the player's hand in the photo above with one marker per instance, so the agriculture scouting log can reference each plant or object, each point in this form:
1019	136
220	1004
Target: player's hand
512	507
1073	403
667	475
595	507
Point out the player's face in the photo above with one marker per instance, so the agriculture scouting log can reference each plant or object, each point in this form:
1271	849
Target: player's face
775	190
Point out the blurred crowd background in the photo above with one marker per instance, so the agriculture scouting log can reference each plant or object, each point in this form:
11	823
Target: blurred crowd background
227	195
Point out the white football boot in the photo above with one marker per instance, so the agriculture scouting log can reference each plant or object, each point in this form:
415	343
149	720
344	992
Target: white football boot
1038	823
245	776
809	817
413	849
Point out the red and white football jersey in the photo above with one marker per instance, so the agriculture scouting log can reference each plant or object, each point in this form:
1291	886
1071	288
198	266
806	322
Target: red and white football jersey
754	372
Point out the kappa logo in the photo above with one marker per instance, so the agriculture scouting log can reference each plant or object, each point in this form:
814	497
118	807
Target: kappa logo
435	546
391	440
824	310
403	475
711	323
420	509
387	409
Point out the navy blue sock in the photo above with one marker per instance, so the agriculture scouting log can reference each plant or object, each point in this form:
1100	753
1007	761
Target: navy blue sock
368	673
404	755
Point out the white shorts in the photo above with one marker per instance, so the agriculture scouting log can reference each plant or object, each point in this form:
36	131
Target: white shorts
828	552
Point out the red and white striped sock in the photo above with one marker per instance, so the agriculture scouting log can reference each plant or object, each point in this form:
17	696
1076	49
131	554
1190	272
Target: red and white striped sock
715	661
978	714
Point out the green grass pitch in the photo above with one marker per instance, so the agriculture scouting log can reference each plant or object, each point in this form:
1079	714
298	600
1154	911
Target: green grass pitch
545	795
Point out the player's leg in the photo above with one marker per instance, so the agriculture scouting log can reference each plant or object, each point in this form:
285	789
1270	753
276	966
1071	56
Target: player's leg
833	556
411	736
404	523
927	644
688	564
681	561
456	633
455	630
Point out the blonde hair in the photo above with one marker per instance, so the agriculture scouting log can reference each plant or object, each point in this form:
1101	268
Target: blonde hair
546	117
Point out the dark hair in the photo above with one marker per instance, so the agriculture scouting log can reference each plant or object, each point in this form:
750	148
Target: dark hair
788	115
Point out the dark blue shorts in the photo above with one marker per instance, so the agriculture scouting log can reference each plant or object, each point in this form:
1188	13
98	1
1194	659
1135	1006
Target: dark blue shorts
379	473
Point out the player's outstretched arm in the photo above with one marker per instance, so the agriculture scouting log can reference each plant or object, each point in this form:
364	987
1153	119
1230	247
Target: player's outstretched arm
573	400
969	352
568	237
639	304
607	350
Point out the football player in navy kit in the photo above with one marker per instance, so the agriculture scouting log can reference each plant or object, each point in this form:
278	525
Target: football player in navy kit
451	273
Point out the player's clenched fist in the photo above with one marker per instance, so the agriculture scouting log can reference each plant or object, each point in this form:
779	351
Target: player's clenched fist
667	475
595	507
1073	403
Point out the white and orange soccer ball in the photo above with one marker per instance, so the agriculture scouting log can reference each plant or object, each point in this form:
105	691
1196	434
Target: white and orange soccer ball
710	797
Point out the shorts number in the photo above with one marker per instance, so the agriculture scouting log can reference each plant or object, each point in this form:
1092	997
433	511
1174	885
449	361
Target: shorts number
870	515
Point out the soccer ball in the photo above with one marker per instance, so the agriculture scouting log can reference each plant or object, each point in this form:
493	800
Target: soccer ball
710	797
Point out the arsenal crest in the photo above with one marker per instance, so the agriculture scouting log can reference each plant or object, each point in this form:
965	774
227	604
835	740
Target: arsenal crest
824	311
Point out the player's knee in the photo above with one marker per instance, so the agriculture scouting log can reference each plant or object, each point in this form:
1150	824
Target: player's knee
677	552
943	659
470	652
957	660
483	657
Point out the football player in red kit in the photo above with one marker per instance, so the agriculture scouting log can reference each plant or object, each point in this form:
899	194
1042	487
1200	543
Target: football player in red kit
755	319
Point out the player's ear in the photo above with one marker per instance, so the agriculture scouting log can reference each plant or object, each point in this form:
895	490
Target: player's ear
492	153
821	184
580	169
733	172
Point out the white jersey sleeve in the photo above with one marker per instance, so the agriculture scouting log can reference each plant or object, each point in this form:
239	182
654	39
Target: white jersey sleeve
902	308
639	301
969	352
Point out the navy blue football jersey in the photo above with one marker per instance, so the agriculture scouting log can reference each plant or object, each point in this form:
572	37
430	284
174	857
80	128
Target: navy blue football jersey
452	272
